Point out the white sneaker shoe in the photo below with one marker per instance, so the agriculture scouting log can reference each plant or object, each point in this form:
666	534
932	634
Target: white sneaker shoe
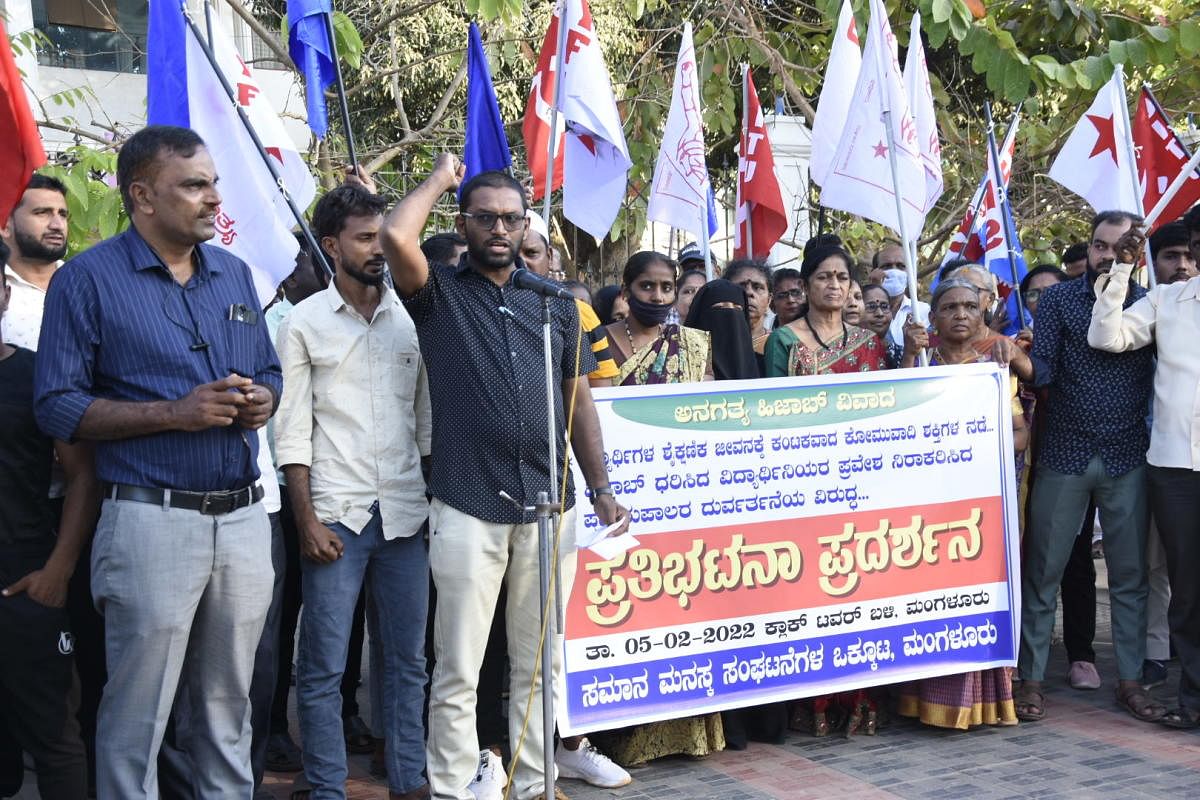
489	777
590	765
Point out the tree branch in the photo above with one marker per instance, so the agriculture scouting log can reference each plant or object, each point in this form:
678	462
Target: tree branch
269	39
56	126
413	136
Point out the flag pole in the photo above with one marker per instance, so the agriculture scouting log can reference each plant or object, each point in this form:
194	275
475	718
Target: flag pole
314	247
910	267
745	147
559	49
1010	235
1131	157
975	209
341	91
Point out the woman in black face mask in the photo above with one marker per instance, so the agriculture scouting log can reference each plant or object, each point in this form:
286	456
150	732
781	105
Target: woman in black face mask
645	347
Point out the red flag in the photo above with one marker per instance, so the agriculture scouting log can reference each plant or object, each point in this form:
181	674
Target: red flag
23	152
536	126
761	217
1161	156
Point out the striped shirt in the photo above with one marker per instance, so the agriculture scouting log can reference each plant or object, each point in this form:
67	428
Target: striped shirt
118	326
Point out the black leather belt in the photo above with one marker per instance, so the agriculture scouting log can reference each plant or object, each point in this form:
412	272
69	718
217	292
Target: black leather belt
213	503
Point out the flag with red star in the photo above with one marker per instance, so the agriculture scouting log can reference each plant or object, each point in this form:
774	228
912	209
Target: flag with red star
1094	162
861	179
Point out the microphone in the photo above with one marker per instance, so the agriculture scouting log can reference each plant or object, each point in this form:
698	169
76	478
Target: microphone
524	279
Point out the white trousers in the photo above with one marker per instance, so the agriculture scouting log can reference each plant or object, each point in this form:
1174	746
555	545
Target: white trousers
470	559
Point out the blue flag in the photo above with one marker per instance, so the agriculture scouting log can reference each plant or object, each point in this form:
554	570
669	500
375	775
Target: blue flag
487	146
310	48
166	70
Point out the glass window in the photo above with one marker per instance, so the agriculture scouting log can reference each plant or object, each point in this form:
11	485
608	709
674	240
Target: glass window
107	35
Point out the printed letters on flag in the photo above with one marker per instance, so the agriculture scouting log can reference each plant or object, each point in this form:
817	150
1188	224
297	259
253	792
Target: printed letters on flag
841	75
920	98
861	180
968	239
254	221
1161	156
760	210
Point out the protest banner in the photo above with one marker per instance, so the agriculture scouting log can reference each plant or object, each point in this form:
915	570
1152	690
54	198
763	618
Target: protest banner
796	537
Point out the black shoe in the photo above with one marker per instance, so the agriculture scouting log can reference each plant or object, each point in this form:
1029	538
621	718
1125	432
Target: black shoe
282	754
1154	673
358	736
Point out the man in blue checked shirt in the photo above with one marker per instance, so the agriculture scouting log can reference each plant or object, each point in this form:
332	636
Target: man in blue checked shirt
154	346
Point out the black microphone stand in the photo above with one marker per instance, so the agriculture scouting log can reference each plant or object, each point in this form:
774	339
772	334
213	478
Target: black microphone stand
546	507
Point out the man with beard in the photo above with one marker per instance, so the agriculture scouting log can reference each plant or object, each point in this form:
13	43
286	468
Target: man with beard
36	235
154	346
482	341
1165	320
352	429
1093	449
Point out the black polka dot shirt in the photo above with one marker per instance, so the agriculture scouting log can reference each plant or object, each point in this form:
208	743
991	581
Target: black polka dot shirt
482	346
1098	402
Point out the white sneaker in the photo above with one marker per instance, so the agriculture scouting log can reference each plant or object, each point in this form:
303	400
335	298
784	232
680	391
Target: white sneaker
589	765
489	777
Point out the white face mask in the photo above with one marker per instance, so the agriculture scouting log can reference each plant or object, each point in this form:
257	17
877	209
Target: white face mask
895	281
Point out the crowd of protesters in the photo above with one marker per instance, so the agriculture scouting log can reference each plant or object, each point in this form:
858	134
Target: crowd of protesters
191	481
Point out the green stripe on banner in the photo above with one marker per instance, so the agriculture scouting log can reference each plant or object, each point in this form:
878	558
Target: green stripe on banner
768	409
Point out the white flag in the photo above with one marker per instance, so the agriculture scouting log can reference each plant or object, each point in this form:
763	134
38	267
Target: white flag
596	159
920	97
841	74
679	194
861	179
1094	161
254	221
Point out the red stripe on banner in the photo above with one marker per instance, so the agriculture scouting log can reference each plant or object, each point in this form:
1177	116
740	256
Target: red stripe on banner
794	564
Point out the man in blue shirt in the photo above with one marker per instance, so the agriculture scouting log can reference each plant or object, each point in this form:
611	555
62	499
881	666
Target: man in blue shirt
154	346
1093	449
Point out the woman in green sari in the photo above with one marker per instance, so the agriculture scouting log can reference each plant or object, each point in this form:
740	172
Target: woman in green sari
646	348
820	342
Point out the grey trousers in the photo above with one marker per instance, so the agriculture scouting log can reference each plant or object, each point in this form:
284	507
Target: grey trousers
184	597
1055	515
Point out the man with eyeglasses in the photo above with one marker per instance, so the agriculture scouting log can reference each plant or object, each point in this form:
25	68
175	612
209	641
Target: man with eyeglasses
481	338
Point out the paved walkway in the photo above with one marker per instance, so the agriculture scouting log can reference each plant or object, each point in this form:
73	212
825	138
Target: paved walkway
1086	747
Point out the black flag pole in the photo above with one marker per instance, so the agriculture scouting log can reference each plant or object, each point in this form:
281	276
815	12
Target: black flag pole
341	92
314	247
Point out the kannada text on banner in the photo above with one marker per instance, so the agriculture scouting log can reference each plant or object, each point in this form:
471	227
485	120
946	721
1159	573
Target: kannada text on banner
796	536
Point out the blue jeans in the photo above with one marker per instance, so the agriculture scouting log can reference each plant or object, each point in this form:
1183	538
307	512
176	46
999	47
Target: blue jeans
397	576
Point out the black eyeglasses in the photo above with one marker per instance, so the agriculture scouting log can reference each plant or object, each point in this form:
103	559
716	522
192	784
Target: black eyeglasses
487	220
880	307
1031	295
789	294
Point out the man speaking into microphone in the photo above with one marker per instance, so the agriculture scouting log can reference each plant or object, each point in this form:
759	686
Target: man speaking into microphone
481	337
